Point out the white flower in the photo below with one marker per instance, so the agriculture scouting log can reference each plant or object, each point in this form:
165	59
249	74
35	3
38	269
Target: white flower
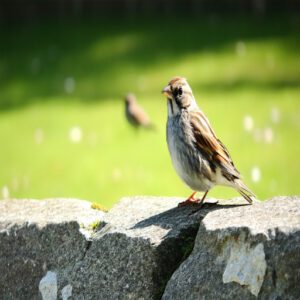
5	192
240	49
268	135
75	134
248	123
275	115
255	174
39	135
69	85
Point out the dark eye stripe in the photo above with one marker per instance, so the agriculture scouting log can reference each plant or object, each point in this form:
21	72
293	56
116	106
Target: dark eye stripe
175	92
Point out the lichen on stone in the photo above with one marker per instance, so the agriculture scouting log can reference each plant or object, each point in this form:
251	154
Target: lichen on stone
98	206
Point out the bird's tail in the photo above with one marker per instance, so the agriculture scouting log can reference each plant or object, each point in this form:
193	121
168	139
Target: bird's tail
244	190
151	126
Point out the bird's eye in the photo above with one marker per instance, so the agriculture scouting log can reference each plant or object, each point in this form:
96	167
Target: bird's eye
180	91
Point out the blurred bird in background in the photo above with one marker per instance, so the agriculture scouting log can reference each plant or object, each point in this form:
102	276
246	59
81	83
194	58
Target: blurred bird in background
135	114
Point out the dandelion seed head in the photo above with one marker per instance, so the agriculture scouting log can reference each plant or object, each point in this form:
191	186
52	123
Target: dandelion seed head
275	115
75	134
69	85
248	123
5	192
255	174
240	49
268	135
39	136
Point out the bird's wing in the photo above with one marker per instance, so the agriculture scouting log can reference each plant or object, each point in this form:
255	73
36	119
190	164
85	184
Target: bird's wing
211	147
139	115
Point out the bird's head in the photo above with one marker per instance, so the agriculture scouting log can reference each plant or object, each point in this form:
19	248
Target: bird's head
129	99
179	95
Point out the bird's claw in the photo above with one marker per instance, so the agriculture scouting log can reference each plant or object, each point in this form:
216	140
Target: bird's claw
189	202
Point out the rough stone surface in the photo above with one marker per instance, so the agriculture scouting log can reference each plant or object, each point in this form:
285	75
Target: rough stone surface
40	236
243	252
142	250
134	254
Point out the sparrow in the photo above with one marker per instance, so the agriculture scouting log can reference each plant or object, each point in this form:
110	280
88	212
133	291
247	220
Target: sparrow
135	114
200	159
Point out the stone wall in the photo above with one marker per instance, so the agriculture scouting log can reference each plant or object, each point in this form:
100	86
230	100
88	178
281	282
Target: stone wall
148	248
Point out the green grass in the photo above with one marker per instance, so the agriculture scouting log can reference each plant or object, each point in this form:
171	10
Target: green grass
236	68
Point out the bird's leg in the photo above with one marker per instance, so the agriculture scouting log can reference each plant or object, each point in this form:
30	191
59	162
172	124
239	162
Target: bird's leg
200	203
189	201
203	198
192	197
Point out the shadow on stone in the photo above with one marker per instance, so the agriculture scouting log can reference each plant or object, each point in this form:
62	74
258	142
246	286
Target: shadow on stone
173	217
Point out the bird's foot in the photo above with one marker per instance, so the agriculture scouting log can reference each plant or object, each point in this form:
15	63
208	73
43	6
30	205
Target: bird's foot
193	201
189	202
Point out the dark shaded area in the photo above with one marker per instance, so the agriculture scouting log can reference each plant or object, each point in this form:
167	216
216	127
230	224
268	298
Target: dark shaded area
250	83
36	10
170	219
177	249
35	61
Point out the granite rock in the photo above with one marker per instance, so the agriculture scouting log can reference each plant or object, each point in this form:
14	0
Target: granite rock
141	243
41	236
145	248
243	252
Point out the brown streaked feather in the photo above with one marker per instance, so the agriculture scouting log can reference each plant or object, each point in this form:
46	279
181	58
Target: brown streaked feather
211	147
176	79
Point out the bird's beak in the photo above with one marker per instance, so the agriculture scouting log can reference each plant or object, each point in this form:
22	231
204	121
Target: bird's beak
166	91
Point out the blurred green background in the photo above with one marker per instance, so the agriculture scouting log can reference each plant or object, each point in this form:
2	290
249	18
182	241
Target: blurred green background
63	131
